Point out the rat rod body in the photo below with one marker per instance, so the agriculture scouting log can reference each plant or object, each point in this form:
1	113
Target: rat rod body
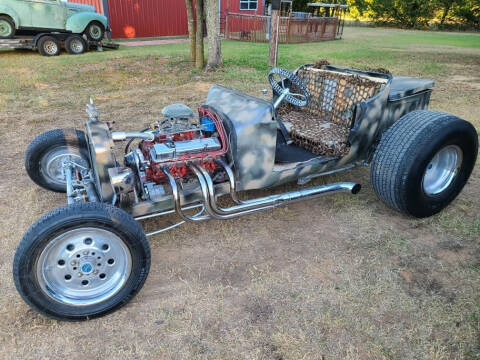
91	257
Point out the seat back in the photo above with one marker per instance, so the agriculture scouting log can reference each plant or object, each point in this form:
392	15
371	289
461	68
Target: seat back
335	94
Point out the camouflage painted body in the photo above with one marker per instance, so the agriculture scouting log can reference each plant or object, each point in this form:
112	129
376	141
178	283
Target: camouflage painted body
51	14
252	126
255	126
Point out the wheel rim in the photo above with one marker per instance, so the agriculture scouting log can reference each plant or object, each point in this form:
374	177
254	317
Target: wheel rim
95	32
442	170
76	45
52	163
5	28
84	266
50	47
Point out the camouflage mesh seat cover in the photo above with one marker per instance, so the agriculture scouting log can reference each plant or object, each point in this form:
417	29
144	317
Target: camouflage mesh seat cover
322	127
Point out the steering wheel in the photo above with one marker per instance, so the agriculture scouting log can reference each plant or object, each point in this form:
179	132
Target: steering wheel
277	79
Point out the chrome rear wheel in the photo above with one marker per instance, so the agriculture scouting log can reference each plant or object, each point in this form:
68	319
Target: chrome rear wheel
442	170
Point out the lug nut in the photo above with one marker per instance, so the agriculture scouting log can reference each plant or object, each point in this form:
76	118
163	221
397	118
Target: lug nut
85	252
80	274
73	263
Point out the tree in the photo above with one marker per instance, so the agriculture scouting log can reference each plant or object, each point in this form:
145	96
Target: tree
446	6
404	13
200	56
204	9
213	31
468	13
191	29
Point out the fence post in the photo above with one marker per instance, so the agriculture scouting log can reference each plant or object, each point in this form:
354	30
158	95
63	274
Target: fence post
288	30
227	31
324	27
275	23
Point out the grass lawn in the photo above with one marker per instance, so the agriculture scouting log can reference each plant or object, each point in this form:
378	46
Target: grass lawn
336	278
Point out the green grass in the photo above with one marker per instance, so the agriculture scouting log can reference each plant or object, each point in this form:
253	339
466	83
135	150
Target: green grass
360	47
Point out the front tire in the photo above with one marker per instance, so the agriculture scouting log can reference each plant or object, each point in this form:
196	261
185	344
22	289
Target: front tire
95	31
423	161
81	261
47	152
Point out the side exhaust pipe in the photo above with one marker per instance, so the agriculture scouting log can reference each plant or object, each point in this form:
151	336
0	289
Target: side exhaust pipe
264	203
246	207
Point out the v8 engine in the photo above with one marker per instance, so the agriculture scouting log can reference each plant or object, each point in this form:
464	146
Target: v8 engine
170	145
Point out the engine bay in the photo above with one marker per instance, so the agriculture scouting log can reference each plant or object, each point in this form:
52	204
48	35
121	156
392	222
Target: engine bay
172	145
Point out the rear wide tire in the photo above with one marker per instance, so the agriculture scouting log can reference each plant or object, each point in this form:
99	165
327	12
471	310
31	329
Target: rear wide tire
414	146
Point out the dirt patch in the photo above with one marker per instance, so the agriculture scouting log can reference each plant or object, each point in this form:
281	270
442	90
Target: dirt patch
473	83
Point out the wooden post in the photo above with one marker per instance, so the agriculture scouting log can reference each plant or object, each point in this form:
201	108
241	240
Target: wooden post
199	56
227	33
274	24
192	32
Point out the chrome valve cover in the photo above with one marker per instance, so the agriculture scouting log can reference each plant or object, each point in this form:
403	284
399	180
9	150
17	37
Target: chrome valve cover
171	150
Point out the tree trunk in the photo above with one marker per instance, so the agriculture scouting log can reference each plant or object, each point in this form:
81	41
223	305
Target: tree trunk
213	31
191	29
446	10
200	59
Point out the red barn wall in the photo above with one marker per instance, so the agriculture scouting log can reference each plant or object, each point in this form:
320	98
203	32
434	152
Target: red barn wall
147	18
97	3
233	6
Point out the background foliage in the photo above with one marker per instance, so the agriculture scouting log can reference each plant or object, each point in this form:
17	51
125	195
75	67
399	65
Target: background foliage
442	14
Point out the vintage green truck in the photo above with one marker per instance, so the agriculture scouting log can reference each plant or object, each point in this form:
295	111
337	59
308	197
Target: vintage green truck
51	16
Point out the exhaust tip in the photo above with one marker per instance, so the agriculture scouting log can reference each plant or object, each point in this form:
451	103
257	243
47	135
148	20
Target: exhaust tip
356	189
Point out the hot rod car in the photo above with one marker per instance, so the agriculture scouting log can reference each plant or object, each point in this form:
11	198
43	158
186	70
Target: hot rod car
91	256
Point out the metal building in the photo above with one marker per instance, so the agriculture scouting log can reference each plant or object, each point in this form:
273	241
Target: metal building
149	18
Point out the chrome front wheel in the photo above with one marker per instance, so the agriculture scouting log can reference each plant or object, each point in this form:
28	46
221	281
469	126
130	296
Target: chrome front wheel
84	266
52	163
47	153
81	261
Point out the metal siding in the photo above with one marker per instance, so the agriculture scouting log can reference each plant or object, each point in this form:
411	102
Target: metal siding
147	18
96	3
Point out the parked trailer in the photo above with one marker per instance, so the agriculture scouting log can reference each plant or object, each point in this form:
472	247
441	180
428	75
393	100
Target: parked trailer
50	44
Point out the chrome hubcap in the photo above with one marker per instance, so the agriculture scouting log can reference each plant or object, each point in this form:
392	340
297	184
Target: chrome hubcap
442	170
52	163
50	47
84	266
